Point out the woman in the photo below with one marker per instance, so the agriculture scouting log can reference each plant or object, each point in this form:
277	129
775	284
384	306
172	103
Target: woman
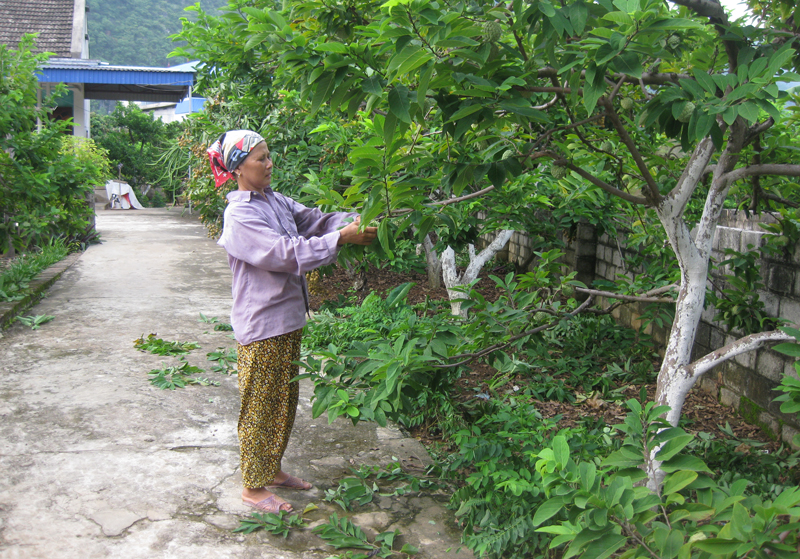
272	241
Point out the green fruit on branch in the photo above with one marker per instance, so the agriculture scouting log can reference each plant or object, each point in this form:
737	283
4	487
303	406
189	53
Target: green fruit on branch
558	172
508	154
686	113
541	317
627	103
568	291
607	146
491	31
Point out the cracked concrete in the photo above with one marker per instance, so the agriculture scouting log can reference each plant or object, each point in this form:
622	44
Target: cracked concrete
96	462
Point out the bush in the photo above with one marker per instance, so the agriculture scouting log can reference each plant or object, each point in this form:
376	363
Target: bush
45	176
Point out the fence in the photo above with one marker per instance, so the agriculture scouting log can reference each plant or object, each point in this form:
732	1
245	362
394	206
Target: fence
746	382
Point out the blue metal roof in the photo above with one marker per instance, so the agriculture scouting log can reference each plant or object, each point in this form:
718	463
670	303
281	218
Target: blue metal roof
94	71
131	83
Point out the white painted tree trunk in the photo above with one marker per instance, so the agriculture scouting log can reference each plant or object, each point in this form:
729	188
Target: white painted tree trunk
678	374
453	279
433	265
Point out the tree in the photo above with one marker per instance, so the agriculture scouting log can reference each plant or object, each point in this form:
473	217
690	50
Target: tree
134	140
659	106
45	174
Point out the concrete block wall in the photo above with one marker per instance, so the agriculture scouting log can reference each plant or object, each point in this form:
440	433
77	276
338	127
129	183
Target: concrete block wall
746	383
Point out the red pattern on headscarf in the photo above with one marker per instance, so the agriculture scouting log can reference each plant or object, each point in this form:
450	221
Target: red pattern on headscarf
221	174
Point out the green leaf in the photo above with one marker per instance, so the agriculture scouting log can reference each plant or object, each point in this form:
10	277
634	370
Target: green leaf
673	446
324	89
409	60
627	63
718	546
561	450
705	81
547	510
749	111
678	481
594	87
398	103
787	348
466	110
373	85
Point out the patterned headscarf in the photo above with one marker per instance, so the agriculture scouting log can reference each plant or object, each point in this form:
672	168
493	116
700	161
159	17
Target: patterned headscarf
228	152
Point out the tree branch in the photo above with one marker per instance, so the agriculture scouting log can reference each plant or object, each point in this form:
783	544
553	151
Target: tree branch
654	196
692	173
784	170
607	187
648	78
742	345
706	8
630	298
468	357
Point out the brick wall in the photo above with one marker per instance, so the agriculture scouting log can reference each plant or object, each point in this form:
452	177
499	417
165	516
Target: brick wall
745	383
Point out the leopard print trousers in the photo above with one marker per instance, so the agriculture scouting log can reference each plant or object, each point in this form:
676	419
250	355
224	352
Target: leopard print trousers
269	404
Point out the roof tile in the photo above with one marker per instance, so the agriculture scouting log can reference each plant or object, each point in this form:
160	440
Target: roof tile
52	19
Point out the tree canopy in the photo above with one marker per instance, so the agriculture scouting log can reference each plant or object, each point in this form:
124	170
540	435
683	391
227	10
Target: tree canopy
653	114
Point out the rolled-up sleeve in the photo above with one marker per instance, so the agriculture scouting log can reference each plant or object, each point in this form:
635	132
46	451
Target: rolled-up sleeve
311	222
252	240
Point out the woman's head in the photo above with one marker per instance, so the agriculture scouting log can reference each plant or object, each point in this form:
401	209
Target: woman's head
229	152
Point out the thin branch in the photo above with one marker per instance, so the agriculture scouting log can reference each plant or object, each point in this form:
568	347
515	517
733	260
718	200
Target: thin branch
630	298
769	196
757	129
468	357
622	132
706	8
784	170
607	187
447	202
737	347
648	78
547	105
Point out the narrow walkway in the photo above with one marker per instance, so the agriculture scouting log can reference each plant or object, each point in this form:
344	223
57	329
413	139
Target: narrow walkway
97	462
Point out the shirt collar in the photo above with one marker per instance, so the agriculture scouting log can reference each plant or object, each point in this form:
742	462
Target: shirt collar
243	195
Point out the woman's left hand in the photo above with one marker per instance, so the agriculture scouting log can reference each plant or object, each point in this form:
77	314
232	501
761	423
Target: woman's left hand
350	234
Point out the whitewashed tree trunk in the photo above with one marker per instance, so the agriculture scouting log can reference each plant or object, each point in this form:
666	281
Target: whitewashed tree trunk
453	279
433	265
678	374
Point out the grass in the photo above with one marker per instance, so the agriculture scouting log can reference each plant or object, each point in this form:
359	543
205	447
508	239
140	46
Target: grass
15	279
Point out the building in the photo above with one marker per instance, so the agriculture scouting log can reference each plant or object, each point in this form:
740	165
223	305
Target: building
62	30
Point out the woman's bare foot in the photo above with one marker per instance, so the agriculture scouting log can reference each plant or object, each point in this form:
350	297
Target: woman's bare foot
264	500
285	481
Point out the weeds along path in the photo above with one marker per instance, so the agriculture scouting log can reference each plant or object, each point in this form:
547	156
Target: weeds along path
97	462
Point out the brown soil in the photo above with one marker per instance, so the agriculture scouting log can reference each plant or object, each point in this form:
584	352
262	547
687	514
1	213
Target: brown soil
703	412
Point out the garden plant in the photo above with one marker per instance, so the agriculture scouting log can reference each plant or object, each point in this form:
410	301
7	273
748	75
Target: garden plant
445	121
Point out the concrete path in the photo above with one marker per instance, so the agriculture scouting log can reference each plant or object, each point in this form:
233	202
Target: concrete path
97	462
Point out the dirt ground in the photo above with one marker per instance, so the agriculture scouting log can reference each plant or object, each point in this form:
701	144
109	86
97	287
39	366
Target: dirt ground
702	411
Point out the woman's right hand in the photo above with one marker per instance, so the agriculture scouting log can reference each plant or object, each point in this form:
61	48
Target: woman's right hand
350	234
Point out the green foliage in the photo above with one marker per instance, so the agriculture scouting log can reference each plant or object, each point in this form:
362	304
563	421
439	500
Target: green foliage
14	280
218	326
224	360
738	306
35	322
279	524
158	346
180	376
597	509
135	140
343	534
45	176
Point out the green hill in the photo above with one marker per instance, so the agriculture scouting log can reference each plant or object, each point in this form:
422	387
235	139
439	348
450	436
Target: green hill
135	32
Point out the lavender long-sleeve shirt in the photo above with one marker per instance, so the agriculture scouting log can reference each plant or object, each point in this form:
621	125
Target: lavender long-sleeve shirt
272	241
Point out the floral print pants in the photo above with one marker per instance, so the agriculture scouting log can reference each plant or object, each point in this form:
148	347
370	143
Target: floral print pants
269	404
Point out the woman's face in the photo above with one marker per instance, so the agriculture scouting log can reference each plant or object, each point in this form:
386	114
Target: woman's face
256	169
